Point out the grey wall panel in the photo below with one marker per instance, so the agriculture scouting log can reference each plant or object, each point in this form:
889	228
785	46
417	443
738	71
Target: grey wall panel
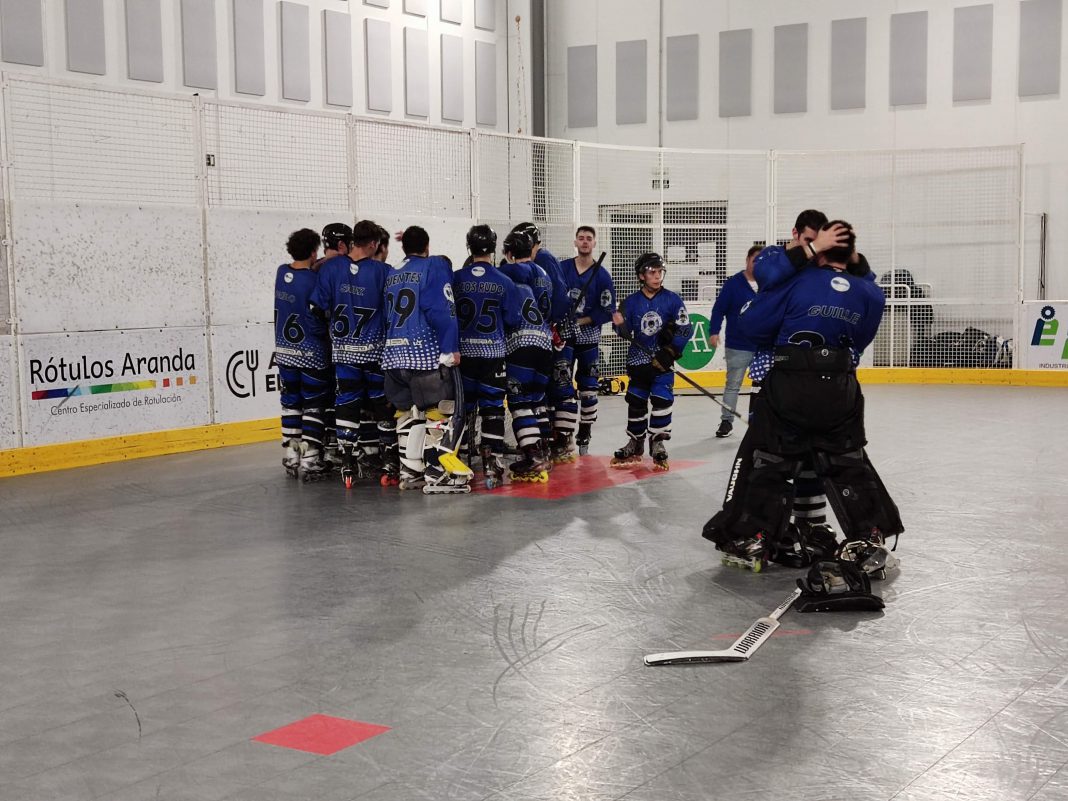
296	59
908	58
736	73
582	86
249	75
86	50
416	73
452	11
486	14
198	44
452	78
144	40
683	77
791	69
631	82
973	52
21	34
849	62
1040	47
337	38
416	7
485	83
379	65
377	3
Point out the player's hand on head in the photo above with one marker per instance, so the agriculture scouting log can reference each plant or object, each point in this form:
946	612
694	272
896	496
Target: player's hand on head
832	237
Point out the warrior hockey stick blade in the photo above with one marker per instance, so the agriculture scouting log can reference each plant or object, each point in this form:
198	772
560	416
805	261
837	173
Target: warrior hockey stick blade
740	650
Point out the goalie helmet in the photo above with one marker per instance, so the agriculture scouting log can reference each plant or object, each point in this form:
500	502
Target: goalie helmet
519	245
481	240
647	261
335	233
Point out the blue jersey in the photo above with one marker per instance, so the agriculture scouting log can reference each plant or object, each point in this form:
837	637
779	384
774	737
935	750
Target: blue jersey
299	336
644	317
351	294
487	303
420	318
560	302
536	305
819	307
598	302
733	295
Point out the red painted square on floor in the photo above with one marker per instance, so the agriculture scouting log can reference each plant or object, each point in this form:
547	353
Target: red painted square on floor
321	734
588	474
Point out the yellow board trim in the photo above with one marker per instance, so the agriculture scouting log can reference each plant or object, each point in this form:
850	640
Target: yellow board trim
43	458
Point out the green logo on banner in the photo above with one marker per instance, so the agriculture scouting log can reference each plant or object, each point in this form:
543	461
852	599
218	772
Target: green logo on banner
699	351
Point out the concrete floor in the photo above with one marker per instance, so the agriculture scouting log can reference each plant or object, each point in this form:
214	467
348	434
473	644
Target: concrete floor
158	615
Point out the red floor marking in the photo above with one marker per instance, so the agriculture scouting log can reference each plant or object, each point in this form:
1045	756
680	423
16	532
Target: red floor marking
778	633
321	734
588	474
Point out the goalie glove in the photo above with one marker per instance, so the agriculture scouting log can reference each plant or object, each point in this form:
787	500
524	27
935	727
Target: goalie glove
664	359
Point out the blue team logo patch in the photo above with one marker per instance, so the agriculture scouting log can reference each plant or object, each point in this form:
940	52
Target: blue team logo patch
840	284
748	303
448	292
478	271
288	278
354	268
651	323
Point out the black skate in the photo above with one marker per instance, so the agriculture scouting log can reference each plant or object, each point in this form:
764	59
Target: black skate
291	457
492	469
804	544
659	454
390	476
725	428
312	465
532	467
562	451
748	553
630	454
350	470
585	432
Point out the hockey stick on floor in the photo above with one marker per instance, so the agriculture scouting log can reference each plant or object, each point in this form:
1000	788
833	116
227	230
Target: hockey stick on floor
742	648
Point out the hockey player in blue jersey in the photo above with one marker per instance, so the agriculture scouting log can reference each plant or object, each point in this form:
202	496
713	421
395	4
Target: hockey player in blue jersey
529	359
817	321
593	300
487	304
561	397
350	296
302	356
655	320
421	353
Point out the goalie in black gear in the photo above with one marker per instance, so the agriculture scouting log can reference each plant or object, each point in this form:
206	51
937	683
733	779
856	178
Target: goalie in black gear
811	410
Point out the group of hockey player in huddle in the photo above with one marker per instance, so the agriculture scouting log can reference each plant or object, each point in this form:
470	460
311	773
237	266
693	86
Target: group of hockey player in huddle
816	309
402	360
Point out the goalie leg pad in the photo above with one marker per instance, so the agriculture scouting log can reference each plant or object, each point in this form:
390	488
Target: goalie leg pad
857	495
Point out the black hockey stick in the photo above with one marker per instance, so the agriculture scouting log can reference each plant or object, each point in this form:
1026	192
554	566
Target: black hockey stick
582	293
629	337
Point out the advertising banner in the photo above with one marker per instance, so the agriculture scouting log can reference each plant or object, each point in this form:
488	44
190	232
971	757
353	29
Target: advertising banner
700	355
110	383
246	379
1042	343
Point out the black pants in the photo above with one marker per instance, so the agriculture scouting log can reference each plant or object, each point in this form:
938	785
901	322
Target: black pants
810	411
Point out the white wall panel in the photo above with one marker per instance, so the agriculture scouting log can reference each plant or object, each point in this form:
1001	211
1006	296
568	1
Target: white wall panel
246	383
111	266
8	394
244	249
126	382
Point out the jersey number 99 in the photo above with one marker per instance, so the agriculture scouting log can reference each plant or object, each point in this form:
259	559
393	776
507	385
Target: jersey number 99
402	306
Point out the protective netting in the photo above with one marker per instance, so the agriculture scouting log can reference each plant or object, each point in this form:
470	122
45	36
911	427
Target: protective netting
941	228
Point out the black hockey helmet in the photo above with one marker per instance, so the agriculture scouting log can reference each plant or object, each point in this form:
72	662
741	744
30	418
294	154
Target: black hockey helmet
530	228
334	233
646	261
519	245
481	240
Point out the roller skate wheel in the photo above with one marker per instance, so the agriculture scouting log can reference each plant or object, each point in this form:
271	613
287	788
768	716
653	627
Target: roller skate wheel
661	467
348	482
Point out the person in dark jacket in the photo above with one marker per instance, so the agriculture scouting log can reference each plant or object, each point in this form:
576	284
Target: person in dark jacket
736	291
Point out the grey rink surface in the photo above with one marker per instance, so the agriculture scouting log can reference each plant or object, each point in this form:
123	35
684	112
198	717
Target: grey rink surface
158	614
